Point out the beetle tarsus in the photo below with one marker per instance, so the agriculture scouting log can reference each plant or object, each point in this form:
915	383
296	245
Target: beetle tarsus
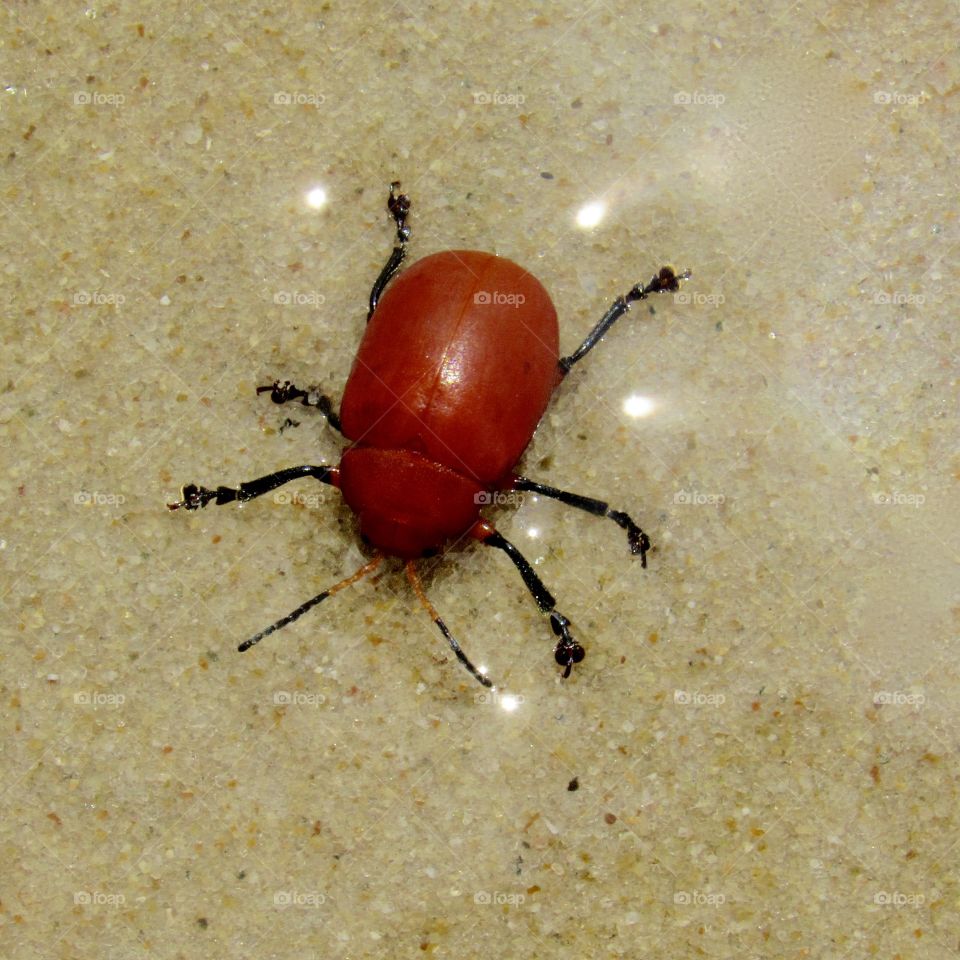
638	540
195	497
399	206
666	281
286	392
568	651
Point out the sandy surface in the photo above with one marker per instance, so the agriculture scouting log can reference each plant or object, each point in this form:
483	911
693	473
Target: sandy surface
757	758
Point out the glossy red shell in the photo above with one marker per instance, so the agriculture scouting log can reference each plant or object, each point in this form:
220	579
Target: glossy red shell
457	365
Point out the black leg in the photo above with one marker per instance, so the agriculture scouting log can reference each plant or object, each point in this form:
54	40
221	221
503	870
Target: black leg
568	651
638	540
399	206
195	497
311	397
665	280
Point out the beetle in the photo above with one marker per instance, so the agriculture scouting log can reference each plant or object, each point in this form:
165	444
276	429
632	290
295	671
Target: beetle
457	364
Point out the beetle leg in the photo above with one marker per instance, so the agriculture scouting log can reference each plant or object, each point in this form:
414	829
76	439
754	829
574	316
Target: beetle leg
311	397
665	280
567	651
435	617
638	540
195	497
312	602
398	206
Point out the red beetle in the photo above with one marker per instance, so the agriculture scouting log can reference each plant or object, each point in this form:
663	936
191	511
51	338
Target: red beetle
458	363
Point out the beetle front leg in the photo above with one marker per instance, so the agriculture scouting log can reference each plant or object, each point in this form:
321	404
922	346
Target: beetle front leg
398	205
666	280
311	397
638	540
567	651
195	497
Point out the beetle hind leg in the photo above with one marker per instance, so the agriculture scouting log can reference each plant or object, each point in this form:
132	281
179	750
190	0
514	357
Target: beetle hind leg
567	651
639	542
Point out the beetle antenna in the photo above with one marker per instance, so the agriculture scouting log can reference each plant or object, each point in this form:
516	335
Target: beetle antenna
435	617
319	598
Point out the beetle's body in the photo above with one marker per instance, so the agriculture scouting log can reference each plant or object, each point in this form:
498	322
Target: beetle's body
455	370
457	365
